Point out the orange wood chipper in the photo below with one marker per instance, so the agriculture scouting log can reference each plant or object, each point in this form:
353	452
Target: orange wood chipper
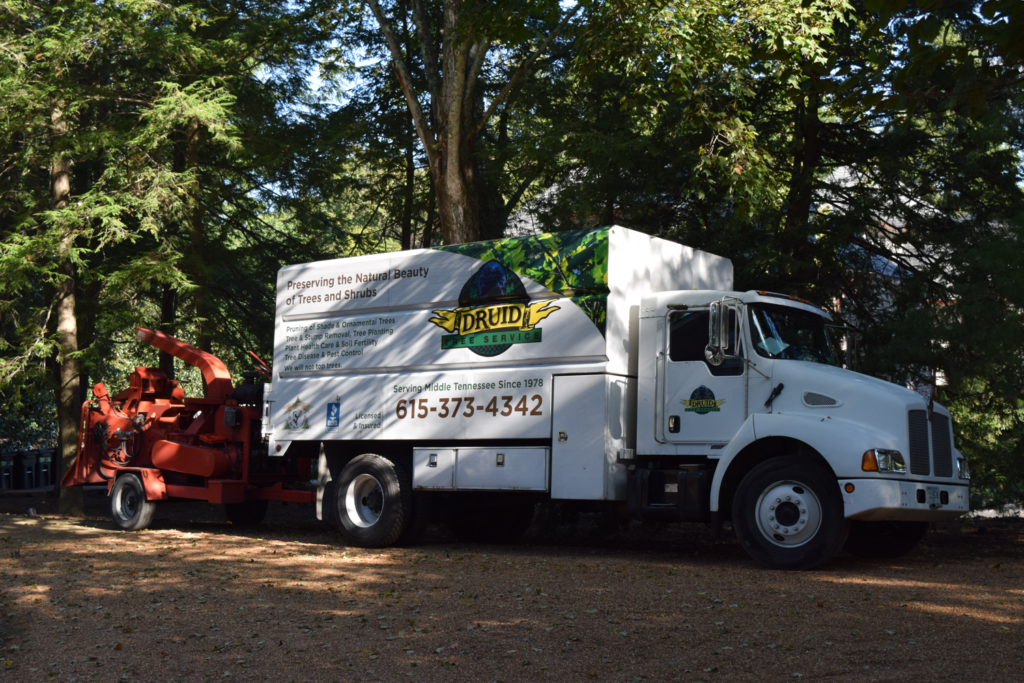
150	443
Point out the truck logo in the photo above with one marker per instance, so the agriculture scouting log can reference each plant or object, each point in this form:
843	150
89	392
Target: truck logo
490	329
333	416
702	401
297	415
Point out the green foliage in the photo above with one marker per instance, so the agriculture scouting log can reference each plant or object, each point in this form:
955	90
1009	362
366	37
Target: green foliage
176	123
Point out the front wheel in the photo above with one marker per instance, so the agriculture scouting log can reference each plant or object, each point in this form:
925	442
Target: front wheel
884	540
788	514
373	501
128	505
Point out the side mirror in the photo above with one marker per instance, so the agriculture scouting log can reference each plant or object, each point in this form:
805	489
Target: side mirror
718	334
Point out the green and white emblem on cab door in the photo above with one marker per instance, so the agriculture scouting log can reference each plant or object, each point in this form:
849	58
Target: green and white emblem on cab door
702	401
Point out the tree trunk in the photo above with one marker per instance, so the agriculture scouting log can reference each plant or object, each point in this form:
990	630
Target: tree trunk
71	500
86	332
410	186
449	137
456	197
428	226
800	197
168	310
197	239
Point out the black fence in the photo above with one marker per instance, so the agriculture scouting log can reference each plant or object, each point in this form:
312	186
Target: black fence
28	470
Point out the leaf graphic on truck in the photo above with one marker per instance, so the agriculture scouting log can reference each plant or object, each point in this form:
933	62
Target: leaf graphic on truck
490	329
573	264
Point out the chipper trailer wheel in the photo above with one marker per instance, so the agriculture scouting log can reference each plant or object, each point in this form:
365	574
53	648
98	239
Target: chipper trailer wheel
788	514
128	505
373	499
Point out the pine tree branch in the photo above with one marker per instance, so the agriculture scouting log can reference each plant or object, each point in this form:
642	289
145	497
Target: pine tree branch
453	129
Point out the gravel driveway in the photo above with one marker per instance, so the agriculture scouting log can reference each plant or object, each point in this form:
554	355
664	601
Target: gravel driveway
194	599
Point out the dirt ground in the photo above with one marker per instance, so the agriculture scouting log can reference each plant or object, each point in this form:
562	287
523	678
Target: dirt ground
194	599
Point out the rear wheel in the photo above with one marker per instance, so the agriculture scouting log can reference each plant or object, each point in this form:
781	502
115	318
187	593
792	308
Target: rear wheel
248	513
504	524
888	540
373	501
788	514
128	505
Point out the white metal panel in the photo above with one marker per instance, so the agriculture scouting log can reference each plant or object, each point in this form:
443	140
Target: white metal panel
689	380
620	433
638	265
711	272
578	439
433	468
629	260
646	385
501	469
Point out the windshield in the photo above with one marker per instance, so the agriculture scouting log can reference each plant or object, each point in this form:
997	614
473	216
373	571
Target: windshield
790	334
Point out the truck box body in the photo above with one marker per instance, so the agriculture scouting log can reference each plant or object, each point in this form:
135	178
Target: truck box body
462	342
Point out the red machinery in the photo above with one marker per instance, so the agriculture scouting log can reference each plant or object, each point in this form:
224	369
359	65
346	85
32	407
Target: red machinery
150	443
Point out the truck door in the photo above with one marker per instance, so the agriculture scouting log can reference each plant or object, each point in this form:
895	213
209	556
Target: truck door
703	403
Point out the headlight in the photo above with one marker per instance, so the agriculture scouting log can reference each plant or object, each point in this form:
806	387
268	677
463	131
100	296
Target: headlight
882	460
963	470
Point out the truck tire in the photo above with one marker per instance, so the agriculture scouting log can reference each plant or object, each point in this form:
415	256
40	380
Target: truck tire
247	513
505	524
128	505
883	540
373	501
788	514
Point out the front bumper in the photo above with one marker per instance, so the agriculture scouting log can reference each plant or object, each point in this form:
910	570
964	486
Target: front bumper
876	500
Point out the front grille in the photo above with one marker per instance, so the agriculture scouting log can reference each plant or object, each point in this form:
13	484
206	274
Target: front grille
942	448
917	426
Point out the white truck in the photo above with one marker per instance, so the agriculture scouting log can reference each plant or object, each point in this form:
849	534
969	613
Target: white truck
607	368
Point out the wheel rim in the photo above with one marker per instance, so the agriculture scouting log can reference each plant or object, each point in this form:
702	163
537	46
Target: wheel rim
127	503
364	500
788	514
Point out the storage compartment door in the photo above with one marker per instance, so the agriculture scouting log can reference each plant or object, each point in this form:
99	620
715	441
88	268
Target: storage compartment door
433	468
501	469
578	437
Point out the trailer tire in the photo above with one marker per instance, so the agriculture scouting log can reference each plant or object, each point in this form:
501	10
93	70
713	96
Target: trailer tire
128	505
247	513
502	525
788	514
883	540
373	501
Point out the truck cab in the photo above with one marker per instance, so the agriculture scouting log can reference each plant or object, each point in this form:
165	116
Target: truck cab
742	407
